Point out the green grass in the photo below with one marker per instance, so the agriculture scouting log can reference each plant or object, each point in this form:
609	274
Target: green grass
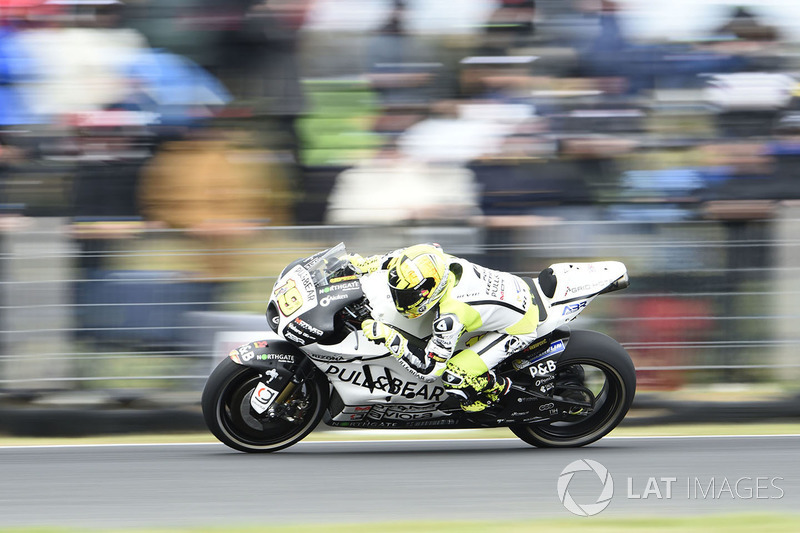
769	523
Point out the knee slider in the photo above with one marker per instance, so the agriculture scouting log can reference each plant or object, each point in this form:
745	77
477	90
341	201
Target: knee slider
465	369
452	380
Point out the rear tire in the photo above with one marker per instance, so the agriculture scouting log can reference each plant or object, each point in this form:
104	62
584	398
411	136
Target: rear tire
227	411
594	350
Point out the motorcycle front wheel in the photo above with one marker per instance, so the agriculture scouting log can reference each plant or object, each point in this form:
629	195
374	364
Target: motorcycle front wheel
609	383
229	416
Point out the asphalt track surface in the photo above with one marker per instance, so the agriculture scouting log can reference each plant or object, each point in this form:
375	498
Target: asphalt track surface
208	484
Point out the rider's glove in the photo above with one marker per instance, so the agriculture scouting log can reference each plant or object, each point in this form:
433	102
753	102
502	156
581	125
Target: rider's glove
364	265
397	344
380	333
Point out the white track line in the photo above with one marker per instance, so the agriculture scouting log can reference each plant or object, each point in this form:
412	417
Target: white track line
393	441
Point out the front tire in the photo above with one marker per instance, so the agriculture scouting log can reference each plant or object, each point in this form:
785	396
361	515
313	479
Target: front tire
593	350
227	411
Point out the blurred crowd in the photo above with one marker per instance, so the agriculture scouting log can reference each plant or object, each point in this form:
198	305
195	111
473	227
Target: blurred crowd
203	115
200	120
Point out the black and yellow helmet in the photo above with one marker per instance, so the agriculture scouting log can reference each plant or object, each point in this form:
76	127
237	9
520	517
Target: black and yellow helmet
417	279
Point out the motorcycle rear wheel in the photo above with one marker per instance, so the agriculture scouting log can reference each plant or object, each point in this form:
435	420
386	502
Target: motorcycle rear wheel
227	411
597	352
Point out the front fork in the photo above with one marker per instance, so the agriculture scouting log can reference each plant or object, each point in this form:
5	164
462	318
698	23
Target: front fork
303	372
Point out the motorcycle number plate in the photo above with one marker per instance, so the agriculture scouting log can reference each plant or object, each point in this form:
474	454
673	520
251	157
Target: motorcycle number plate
262	398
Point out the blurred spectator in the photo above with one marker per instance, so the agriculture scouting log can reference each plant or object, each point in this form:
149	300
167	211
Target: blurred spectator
16	68
459	133
744	24
749	103
510	26
271	30
214	186
80	58
394	189
173	88
112	147
402	71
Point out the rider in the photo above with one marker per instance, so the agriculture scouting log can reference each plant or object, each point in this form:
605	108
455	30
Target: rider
495	308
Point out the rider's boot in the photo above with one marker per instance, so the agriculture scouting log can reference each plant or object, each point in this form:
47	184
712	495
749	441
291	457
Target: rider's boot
495	388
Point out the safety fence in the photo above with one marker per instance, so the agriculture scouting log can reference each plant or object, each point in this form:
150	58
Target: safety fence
709	301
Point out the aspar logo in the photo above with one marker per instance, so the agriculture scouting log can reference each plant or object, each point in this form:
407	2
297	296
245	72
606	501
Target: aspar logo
325	302
606	493
573	308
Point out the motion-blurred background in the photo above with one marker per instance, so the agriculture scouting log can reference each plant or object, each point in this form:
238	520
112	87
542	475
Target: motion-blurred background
162	160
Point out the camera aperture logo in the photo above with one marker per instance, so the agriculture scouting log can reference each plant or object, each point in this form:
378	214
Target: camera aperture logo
589	509
650	488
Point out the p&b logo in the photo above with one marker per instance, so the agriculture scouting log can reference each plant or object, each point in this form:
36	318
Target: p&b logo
603	499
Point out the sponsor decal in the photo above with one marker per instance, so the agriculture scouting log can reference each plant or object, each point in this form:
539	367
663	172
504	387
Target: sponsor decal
545	367
520	364
533	419
574	290
327	358
270	374
260	344
495	285
573	308
385	382
450	378
312	261
378	424
555	347
262	397
326	301
512	345
302	324
289	295
414	408
393	415
343	278
280	357
405	412
294	338
445	323
352	286
546	406
297	333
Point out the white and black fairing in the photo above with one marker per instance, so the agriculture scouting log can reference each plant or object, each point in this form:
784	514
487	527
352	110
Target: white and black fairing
316	309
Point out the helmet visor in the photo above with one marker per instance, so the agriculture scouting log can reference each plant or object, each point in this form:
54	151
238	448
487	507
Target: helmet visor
408	301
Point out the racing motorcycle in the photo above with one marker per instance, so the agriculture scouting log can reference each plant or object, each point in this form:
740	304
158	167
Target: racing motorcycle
569	387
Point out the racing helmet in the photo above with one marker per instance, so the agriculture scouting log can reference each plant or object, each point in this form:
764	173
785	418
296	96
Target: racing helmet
417	279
